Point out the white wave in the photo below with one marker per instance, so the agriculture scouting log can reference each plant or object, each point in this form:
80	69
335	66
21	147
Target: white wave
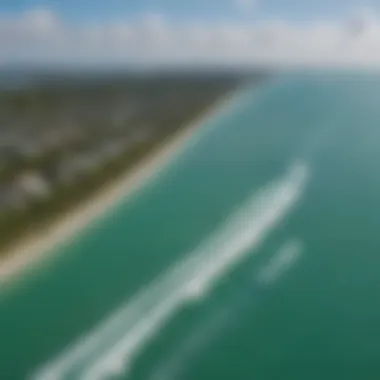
281	262
111	347
194	345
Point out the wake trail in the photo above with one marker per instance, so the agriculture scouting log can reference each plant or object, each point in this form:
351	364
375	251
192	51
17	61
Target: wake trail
229	313
110	348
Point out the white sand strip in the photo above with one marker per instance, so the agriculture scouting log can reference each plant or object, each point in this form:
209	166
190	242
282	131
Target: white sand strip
29	251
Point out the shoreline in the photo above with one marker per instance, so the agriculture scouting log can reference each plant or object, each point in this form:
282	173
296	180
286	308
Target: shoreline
31	251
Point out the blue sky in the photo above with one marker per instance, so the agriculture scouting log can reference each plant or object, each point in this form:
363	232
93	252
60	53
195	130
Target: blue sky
238	32
79	11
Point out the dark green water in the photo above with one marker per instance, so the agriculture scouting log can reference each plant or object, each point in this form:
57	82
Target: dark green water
277	200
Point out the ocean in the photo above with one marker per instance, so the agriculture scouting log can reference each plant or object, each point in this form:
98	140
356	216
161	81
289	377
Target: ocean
253	254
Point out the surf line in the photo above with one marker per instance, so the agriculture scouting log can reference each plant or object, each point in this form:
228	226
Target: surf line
112	346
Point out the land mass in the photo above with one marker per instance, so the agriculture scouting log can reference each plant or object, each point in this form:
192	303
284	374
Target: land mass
72	145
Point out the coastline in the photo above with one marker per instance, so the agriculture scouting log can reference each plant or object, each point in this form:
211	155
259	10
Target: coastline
32	250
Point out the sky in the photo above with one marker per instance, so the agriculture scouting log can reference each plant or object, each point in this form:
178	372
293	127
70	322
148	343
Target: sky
190	32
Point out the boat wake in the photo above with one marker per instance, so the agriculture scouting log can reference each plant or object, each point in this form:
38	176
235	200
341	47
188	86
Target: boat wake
111	347
228	315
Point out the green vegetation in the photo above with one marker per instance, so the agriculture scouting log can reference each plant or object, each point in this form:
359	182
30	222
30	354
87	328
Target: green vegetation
71	122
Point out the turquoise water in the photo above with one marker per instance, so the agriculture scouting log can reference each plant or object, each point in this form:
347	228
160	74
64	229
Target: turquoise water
253	254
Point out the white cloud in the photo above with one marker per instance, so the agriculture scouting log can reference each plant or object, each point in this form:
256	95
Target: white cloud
40	36
40	19
246	5
363	21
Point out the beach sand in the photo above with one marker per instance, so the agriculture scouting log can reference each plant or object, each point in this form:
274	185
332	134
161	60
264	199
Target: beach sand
30	251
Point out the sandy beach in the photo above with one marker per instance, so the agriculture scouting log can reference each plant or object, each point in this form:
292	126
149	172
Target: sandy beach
30	251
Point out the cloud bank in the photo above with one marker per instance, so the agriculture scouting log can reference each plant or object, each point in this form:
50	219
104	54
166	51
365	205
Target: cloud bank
40	36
